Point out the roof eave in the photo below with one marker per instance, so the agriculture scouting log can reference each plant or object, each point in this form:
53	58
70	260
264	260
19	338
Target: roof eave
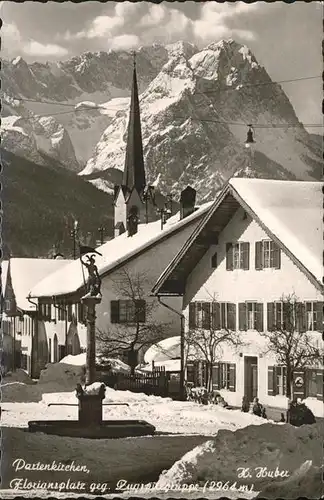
173	264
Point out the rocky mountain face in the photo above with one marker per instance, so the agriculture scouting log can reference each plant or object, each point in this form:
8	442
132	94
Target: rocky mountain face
195	108
89	79
31	136
194	118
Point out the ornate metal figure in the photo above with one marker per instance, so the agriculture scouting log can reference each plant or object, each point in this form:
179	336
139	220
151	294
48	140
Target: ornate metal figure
94	280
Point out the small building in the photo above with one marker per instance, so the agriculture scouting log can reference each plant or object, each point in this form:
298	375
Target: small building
138	260
24	327
260	241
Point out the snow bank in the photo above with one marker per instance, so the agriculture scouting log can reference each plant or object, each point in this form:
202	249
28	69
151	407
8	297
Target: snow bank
75	360
61	376
19	375
269	445
80	360
305	482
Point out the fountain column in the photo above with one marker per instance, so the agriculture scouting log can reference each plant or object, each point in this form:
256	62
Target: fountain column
90	301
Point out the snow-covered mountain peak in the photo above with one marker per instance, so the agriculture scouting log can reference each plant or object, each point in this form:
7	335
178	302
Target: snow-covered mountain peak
18	61
186	49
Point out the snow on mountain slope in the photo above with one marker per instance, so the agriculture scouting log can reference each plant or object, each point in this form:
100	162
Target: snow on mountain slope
97	77
32	136
183	108
189	112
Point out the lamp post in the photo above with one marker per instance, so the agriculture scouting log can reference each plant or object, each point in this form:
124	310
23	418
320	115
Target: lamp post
101	231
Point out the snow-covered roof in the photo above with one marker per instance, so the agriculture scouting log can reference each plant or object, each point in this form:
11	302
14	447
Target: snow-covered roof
70	278
4	274
292	211
165	350
25	273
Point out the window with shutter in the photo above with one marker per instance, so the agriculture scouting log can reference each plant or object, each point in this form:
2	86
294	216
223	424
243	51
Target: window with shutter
192	315
319	316
114	311
259	317
229	256
206	315
279	315
275	258
271	381
287	316
190	372
231	316
245	252
214	261
319	384
61	311
270	316
216	315
280	380
223	315
258	255
311	383
140	311
301	317
232	377
216	376
242	316
198	315
250	315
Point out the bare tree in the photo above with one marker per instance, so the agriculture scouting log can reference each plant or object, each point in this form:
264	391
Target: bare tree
287	337
135	327
209	334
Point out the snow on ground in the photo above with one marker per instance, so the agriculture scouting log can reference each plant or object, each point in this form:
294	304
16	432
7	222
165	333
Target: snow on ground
102	184
273	447
166	415
80	360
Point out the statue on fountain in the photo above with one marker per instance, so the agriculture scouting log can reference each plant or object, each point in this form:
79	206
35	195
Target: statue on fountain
94	281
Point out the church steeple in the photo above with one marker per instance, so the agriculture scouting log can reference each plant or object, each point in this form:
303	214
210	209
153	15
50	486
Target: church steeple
134	172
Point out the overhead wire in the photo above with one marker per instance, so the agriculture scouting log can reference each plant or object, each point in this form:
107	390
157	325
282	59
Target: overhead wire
255	125
259	84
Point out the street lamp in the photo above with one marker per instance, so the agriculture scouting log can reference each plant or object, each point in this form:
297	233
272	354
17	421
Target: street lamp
101	231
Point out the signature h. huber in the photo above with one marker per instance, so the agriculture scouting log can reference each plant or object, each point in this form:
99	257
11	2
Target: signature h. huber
261	473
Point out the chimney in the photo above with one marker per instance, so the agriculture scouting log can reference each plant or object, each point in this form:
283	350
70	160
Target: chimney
187	202
132	221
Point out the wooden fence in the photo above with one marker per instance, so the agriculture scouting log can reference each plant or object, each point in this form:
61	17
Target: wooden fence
157	382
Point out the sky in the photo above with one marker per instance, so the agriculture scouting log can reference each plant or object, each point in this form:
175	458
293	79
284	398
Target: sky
285	38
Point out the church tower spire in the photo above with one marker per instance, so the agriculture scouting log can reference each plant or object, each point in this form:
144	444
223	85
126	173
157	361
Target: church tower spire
134	172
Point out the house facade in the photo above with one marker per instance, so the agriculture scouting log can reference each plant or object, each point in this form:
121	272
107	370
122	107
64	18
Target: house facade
124	262
259	244
24	341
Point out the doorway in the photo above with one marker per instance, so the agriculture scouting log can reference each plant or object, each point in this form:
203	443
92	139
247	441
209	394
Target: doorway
250	377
